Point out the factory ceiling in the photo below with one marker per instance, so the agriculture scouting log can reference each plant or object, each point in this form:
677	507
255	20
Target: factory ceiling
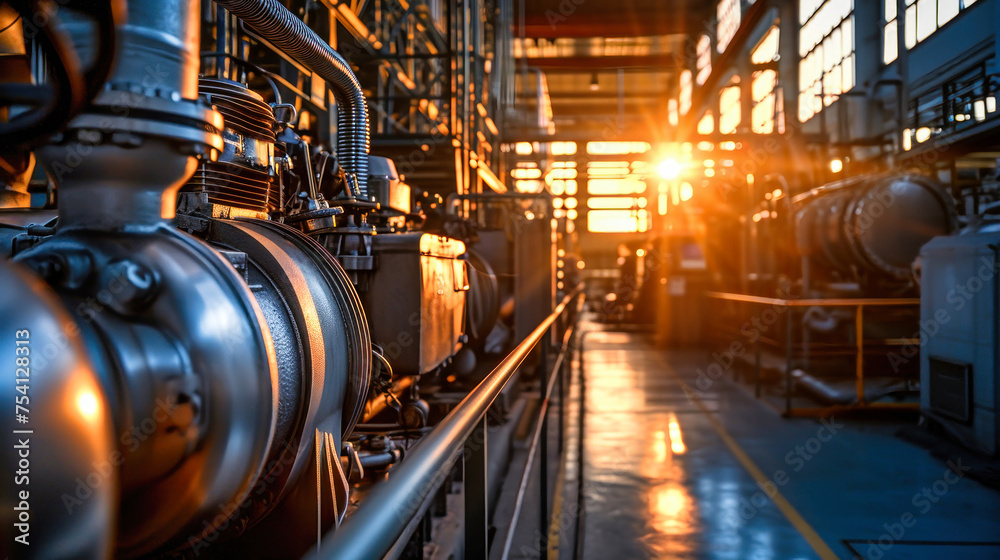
609	65
614	18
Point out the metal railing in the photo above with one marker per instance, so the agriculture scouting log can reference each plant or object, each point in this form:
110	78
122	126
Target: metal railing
396	504
859	304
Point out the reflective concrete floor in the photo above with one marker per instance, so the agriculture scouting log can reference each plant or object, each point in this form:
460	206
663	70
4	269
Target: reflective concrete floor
677	469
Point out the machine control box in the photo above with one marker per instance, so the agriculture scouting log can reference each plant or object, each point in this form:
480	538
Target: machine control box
419	324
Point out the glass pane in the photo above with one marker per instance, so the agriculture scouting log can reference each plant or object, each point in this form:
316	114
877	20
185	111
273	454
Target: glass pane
947	9
926	18
891	43
835	43
706	125
612	221
612	203
910	29
600	187
848	38
615	148
848	66
767	50
805	107
890	10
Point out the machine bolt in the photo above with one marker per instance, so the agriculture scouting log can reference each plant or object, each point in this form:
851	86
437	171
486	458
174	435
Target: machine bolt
128	286
68	269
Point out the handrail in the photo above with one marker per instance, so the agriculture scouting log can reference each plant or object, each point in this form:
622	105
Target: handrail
371	531
859	305
828	302
536	436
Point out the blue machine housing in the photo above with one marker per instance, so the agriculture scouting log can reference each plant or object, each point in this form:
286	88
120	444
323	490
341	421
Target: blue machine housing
958	323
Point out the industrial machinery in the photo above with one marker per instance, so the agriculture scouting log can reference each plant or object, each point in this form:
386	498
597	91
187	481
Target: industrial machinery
227	294
958	360
869	230
849	250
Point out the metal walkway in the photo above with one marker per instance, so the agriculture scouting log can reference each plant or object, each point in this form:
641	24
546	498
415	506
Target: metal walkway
677	465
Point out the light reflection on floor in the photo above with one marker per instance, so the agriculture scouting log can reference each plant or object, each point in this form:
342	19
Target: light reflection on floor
658	482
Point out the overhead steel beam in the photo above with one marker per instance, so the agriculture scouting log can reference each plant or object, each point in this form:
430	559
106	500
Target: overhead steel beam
597	63
632	107
555	24
601	94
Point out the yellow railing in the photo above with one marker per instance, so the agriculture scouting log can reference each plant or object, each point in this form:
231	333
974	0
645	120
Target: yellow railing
859	304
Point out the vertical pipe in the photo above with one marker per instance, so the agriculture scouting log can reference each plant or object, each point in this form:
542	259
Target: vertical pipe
580	426
621	99
567	356
476	511
543	485
466	97
860	341
788	359
756	368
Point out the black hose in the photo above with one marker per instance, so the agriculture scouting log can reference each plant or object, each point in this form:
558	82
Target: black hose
67	87
107	15
276	24
70	89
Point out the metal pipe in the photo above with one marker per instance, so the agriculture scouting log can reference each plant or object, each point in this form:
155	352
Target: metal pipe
374	406
378	460
536	437
272	21
372	530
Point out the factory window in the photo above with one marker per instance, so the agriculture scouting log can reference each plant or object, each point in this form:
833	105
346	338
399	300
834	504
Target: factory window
890	35
924	17
767	111
729	109
608	171
526	186
562	173
612	187
561	187
704	58
684	99
563	148
767	49
617	148
728	12
707	124
617	221
616	203
594	164
518	173
826	48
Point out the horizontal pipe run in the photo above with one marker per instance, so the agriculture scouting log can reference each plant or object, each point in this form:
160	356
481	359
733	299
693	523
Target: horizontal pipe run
376	525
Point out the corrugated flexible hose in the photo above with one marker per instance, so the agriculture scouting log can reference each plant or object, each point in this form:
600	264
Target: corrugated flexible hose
272	21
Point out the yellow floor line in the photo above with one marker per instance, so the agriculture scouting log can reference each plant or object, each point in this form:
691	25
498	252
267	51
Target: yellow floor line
794	517
556	524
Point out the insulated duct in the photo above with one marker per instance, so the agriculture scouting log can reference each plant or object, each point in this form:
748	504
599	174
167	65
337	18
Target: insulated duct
272	21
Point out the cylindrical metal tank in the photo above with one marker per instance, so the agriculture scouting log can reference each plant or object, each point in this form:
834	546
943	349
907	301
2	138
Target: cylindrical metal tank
872	225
